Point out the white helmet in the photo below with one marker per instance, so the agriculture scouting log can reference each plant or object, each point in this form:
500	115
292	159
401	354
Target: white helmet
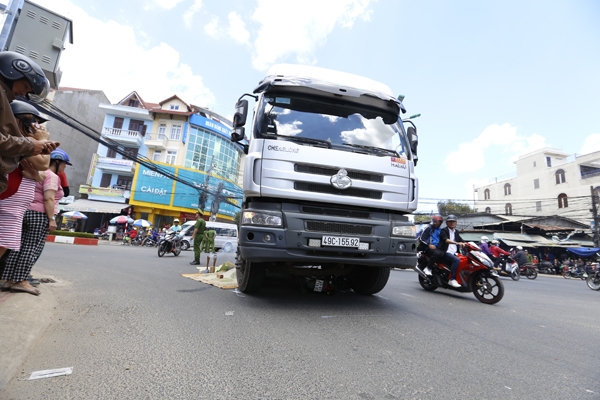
485	239
519	248
495	241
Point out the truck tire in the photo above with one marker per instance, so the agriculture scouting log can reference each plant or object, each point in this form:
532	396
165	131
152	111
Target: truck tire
249	275
369	280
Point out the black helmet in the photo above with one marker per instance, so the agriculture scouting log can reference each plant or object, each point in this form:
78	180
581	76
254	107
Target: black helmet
451	217
22	107
14	66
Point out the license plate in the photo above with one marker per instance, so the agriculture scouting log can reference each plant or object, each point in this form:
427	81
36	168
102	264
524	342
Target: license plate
340	241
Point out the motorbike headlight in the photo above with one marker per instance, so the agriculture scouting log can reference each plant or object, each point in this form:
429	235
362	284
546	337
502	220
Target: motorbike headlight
404	230
262	218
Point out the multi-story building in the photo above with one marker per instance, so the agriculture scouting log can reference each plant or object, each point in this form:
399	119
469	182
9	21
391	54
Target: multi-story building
177	140
547	182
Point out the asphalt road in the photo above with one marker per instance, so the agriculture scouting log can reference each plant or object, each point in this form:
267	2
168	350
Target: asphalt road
132	328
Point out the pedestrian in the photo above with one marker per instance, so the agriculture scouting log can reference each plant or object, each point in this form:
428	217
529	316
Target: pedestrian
21	182
19	76
39	219
198	236
209	241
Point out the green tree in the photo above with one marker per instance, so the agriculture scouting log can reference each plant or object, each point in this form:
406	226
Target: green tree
446	207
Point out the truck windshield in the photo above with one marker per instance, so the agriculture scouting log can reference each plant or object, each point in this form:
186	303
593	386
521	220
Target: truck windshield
343	125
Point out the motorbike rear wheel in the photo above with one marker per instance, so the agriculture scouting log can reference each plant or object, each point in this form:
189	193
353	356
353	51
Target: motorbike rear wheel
162	249
427	284
487	289
593	281
567	275
530	273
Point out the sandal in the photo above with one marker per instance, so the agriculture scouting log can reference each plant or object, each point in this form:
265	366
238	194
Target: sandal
6	286
27	289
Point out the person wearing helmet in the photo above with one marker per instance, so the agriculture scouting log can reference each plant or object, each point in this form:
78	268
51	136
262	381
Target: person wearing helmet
450	241
19	76
520	256
39	219
497	252
429	241
175	227
485	248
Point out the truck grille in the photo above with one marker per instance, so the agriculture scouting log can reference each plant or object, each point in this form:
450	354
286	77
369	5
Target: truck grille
334	227
361	176
328	189
335	212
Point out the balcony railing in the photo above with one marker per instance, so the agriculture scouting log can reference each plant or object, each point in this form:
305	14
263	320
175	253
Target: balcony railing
156	141
123	135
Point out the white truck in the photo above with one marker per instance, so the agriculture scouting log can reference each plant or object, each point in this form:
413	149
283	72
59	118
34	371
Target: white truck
328	181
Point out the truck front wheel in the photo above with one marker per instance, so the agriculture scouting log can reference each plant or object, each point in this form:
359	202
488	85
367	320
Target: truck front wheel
249	275
369	280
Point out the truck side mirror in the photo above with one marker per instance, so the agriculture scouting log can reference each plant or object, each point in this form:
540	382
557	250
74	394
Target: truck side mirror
241	112
414	142
238	134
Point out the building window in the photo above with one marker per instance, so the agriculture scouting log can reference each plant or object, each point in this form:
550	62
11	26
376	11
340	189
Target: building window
507	189
560	176
508	209
534	164
162	130
536	183
124	182
209	151
171	157
111	153
174	107
486	194
118	123
105	181
133	103
562	201
157	155
538	206
175	132
548	161
488	210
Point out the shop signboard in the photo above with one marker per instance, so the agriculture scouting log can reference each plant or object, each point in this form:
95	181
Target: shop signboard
153	187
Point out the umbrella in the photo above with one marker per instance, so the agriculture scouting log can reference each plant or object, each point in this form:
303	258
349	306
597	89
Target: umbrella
142	222
74	214
121	219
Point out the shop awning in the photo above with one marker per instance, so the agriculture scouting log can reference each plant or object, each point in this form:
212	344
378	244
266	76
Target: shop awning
95	206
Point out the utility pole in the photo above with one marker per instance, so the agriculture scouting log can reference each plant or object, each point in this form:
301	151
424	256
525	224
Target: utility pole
594	211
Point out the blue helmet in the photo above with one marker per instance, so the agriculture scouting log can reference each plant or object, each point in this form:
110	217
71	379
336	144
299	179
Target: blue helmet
61	155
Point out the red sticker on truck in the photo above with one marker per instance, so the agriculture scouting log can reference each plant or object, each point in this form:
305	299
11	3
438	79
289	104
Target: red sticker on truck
399	162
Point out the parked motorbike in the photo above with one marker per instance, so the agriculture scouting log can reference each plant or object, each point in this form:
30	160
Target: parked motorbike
508	267
546	267
593	280
170	244
528	270
573	272
475	274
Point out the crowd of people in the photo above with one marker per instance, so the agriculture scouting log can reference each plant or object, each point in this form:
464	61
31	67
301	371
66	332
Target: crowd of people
29	163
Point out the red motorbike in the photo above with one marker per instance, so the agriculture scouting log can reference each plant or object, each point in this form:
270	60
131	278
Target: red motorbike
475	274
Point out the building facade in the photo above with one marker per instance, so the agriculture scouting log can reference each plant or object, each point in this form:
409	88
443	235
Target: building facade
187	162
547	182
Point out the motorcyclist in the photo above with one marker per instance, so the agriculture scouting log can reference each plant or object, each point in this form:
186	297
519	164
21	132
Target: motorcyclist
175	227
450	241
497	252
520	256
430	241
485	248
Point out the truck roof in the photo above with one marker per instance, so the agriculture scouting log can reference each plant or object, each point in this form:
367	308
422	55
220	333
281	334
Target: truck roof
323	79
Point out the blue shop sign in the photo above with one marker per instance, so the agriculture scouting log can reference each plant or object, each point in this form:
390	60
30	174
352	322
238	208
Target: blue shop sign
153	187
211	125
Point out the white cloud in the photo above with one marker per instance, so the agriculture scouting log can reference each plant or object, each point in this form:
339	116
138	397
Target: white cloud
188	17
237	29
591	144
503	140
212	28
108	56
167	4
300	27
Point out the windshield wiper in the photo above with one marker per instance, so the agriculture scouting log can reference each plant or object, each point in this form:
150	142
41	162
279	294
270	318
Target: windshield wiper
372	148
302	139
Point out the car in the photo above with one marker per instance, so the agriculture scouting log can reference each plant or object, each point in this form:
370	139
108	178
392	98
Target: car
225	239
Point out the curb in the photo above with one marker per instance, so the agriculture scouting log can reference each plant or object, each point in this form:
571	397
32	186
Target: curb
71	240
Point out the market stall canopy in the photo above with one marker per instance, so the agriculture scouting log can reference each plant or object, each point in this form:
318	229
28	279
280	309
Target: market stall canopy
584	251
121	219
95	206
74	214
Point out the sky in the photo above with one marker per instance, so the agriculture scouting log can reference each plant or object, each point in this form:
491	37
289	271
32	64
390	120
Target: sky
491	80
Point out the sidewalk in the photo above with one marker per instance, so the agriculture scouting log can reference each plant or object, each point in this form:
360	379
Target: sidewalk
23	319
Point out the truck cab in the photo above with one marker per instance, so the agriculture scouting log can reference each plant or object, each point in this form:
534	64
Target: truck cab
328	180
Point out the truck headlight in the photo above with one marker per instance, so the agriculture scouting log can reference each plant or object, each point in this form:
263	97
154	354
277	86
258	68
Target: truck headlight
261	218
404	230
